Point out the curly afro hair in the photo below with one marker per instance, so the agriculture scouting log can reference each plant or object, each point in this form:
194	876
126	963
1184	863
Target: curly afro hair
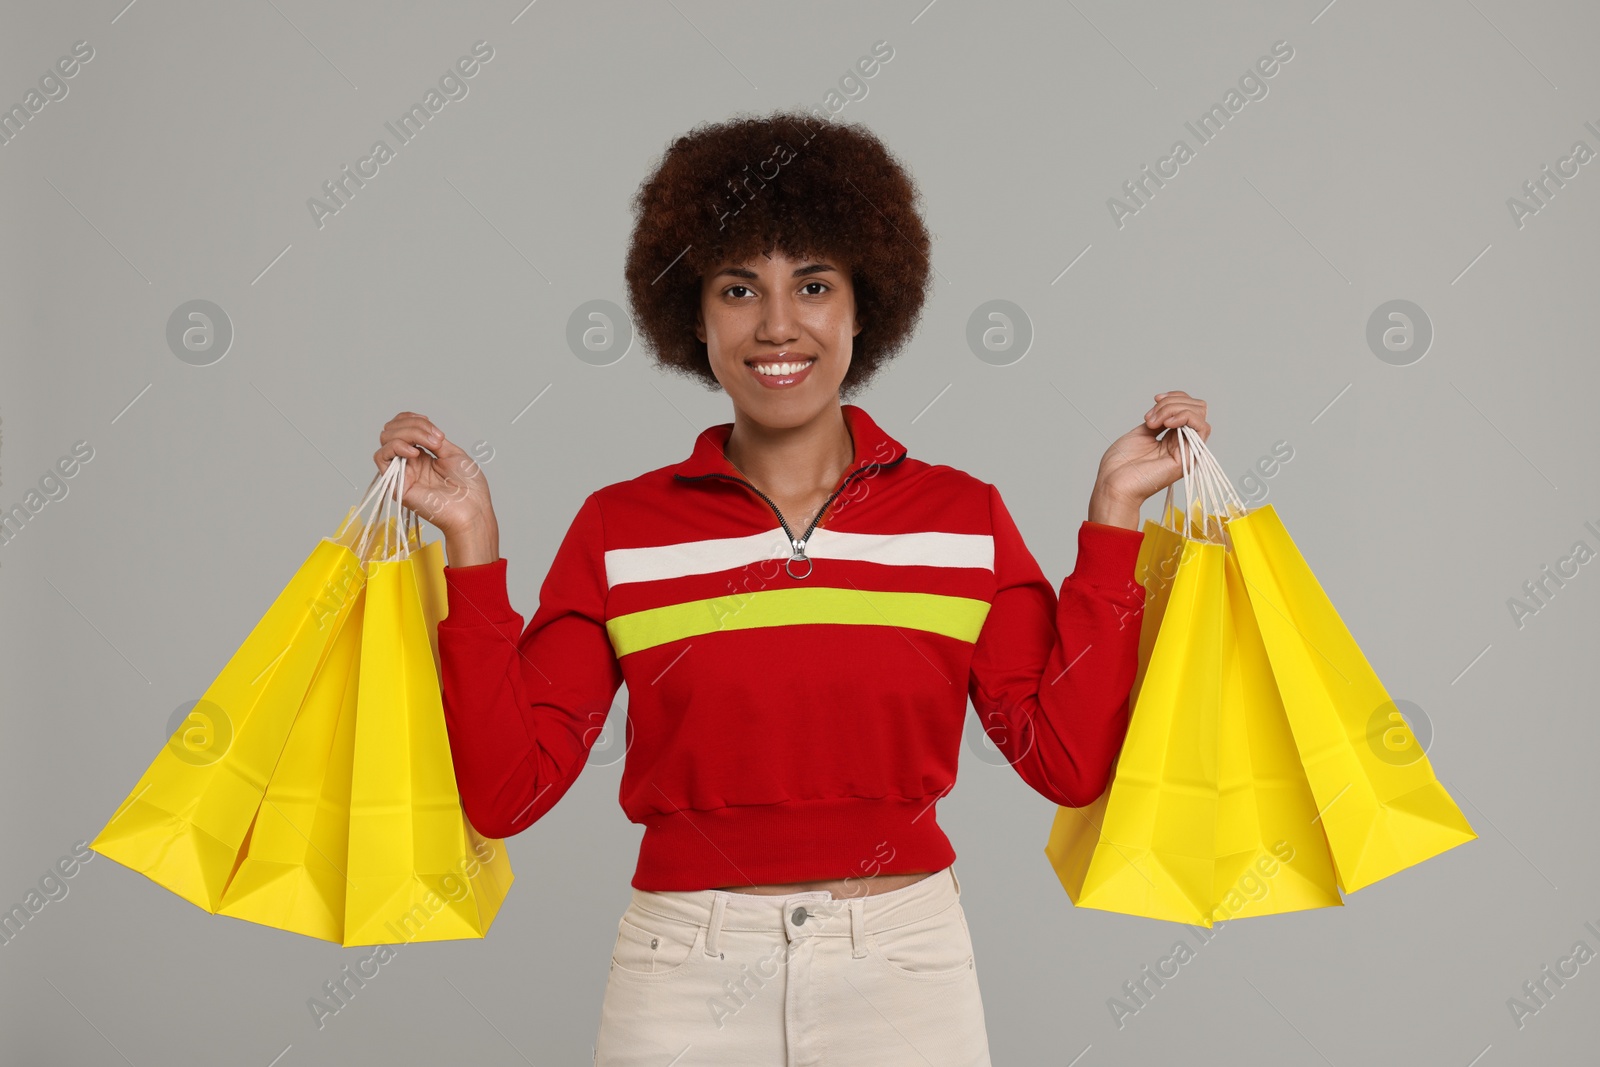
791	182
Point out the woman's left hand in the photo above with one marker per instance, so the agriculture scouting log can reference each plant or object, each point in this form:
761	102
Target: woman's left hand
1137	465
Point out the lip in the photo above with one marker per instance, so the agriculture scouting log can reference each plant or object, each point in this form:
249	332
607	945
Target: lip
787	381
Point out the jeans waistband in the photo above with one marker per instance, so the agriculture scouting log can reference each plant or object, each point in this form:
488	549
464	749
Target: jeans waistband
815	913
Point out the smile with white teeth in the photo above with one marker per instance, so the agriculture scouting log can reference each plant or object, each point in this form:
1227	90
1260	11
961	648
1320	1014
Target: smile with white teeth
778	370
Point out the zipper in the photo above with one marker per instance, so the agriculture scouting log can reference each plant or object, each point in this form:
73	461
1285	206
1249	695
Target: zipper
797	545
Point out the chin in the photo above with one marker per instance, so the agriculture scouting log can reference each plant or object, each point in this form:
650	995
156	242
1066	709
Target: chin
782	412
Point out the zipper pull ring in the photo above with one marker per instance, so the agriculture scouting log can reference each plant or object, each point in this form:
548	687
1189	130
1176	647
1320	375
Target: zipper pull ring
799	554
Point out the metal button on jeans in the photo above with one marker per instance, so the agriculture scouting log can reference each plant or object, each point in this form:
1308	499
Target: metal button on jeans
798	916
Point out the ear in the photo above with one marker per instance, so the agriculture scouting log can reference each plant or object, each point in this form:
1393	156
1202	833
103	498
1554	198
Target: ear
700	324
857	330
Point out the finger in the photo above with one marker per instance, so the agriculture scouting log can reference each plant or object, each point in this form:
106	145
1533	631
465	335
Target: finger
409	421
413	430
1179	415
397	447
409	418
405	421
1176	395
1176	419
405	429
405	442
400	445
1166	399
386	455
1164	413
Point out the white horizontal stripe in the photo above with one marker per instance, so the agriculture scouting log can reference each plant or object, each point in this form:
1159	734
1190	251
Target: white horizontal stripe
927	548
624	565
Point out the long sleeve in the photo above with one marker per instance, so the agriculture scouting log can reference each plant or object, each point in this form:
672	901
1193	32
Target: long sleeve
524	707
1051	676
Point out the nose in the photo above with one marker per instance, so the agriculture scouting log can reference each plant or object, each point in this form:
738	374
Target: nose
778	319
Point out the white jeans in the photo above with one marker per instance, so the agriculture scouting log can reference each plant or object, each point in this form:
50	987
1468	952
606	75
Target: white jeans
708	978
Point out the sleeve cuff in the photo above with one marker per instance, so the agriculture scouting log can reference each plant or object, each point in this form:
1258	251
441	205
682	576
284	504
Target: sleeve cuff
1106	555
477	595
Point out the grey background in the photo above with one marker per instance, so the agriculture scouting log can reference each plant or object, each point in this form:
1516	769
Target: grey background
1377	168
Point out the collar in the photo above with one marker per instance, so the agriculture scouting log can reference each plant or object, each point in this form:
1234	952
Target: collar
872	446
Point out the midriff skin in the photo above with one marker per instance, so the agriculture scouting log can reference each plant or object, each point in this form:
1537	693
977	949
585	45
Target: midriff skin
840	888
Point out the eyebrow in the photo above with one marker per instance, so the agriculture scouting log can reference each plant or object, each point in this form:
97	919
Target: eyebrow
810	268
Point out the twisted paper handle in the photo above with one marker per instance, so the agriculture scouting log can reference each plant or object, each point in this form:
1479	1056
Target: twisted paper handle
1205	482
387	486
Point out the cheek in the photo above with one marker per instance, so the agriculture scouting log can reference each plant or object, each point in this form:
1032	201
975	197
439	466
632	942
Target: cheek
836	325
719	332
724	342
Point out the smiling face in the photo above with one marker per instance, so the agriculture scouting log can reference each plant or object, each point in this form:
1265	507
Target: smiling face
779	332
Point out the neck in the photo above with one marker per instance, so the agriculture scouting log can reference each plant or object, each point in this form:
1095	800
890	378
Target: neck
793	460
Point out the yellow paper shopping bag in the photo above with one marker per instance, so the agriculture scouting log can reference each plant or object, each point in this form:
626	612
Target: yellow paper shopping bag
1271	855
431	589
493	871
417	870
186	820
292	874
1154	850
1225	799
1382	808
297	866
1075	834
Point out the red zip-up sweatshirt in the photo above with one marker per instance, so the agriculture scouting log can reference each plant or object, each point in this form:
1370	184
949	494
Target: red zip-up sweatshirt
795	697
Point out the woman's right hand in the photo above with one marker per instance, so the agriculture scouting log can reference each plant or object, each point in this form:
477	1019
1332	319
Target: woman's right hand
447	488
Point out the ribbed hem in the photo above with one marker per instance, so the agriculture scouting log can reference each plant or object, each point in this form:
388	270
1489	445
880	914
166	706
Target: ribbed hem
1106	555
797	841
477	595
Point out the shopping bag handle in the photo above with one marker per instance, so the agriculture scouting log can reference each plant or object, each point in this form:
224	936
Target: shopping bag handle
371	494
400	512
370	500
392	488
1205	489
1222	487
415	524
1191	492
1205	482
1194	474
385	482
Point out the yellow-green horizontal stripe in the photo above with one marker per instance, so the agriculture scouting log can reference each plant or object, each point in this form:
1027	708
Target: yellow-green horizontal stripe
953	616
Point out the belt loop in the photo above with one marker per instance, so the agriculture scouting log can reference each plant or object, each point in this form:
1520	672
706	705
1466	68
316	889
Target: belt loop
719	901
858	927
954	879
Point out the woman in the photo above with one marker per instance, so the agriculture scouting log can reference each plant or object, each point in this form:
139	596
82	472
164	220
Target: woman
801	611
